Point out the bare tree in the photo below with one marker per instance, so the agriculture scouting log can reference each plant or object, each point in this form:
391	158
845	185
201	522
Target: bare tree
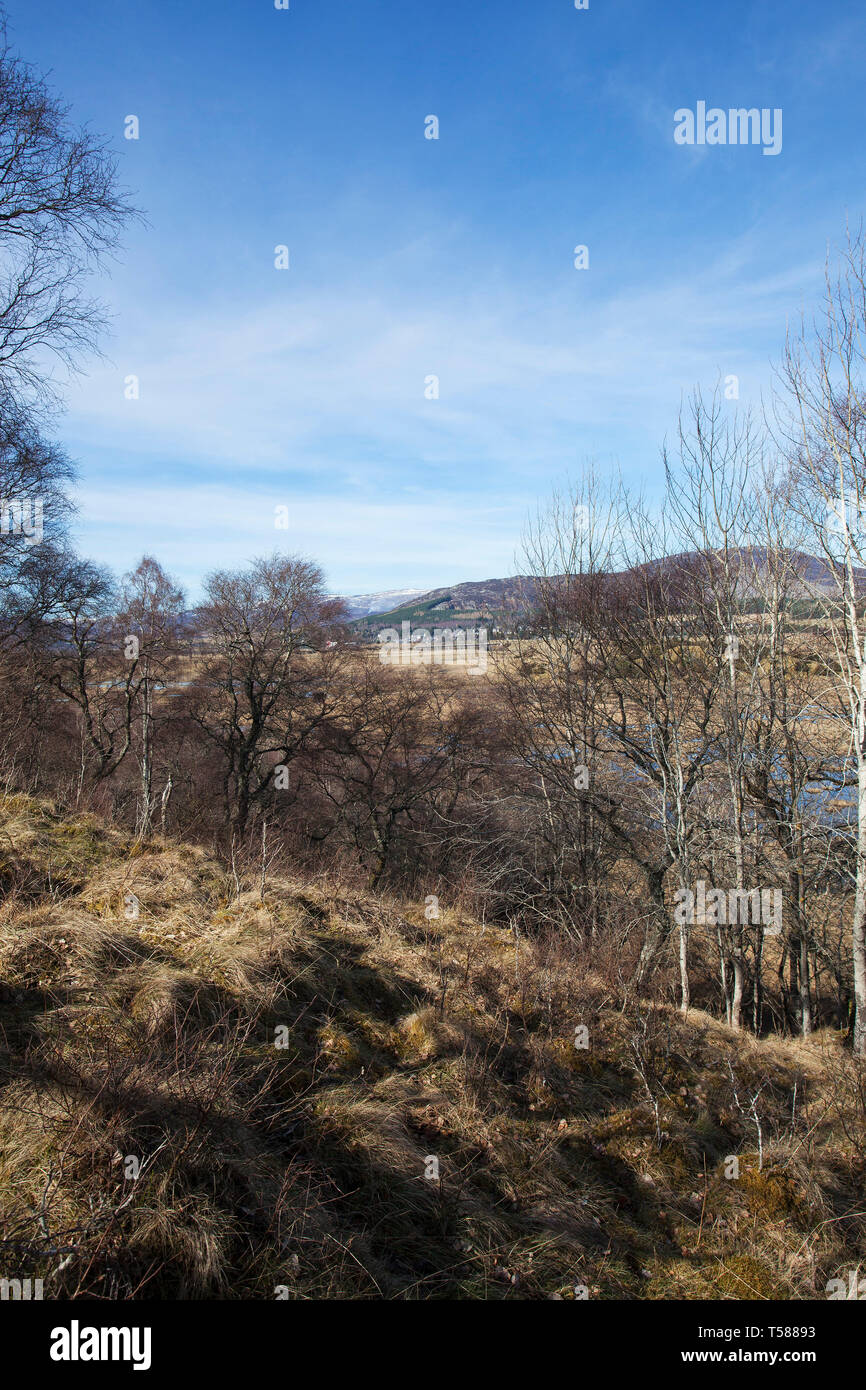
710	500
151	610
396	760
266	684
825	430
34	513
663	692
61	213
90	664
554	690
614	694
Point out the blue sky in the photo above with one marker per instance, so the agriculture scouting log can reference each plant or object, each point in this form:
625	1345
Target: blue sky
410	257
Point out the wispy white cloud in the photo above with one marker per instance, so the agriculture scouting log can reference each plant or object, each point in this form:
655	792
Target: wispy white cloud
280	384
197	529
317	401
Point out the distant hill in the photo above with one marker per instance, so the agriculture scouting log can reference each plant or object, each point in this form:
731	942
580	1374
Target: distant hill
815	577
495	601
498	602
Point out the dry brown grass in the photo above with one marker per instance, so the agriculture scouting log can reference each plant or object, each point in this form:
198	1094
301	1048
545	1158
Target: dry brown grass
303	1167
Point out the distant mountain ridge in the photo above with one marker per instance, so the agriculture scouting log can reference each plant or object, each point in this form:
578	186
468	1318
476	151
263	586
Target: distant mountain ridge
505	599
814	575
458	604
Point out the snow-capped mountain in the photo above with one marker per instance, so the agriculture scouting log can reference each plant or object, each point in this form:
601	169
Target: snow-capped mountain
363	605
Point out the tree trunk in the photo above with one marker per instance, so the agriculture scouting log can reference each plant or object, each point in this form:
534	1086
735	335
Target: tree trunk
657	928
858	930
738	965
685	990
805	993
146	762
758	987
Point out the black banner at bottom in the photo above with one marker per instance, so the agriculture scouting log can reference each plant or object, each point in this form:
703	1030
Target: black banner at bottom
83	1340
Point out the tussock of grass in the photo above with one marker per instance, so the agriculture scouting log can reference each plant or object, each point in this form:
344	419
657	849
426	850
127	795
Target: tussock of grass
155	1141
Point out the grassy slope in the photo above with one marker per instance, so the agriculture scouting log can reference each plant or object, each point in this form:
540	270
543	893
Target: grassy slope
304	1166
